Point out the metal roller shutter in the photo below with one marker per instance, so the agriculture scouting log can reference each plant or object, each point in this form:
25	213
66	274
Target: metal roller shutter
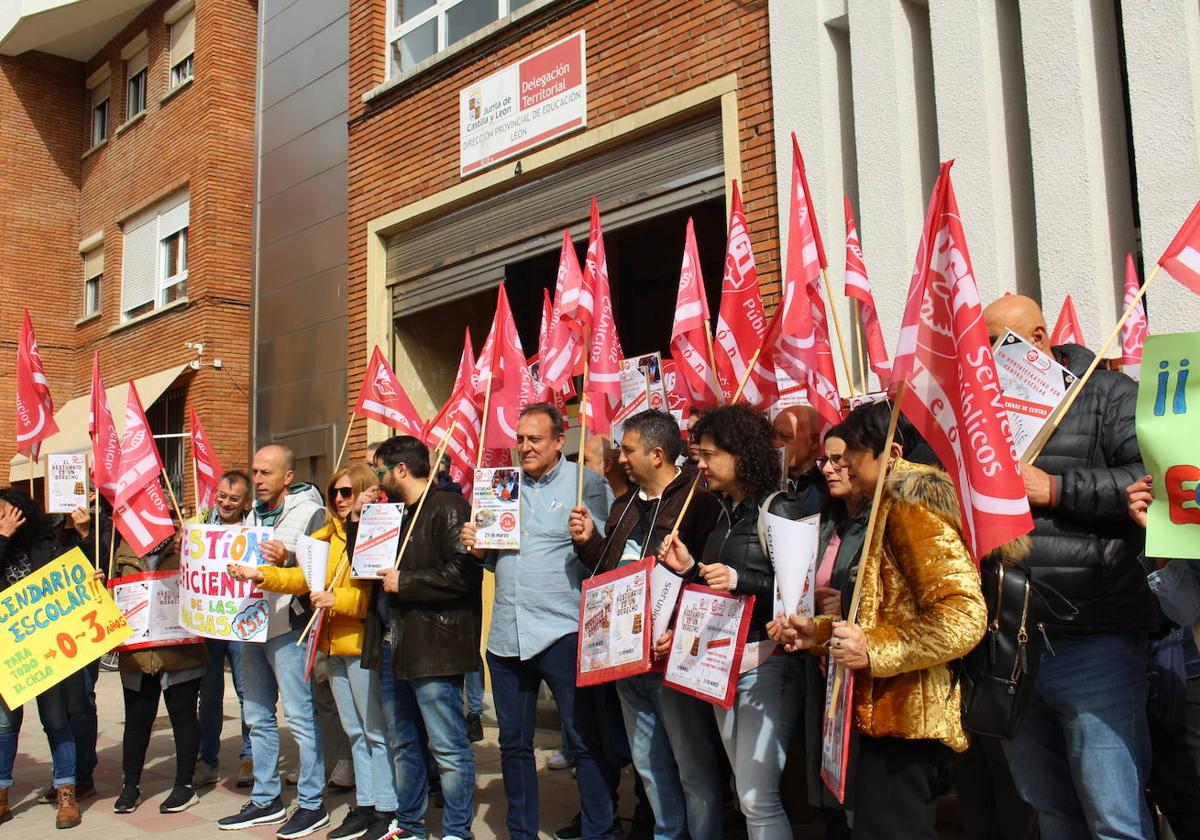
464	251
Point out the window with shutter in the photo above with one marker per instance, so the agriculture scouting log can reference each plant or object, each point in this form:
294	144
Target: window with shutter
183	44
138	274
155	271
135	85
99	93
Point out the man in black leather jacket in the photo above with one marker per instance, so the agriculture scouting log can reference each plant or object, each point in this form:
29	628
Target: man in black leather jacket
1081	754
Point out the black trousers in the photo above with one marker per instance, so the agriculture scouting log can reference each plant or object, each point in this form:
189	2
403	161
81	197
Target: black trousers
988	802
141	708
1175	773
897	785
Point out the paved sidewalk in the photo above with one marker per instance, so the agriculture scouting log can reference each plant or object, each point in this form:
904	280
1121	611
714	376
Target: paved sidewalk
559	796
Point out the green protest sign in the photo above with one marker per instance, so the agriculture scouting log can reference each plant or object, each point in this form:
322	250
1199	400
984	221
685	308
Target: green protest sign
1168	430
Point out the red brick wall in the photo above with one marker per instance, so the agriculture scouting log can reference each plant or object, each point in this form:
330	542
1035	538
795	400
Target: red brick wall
201	137
637	54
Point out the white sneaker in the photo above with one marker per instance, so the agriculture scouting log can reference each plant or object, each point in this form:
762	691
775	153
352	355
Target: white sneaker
343	775
558	761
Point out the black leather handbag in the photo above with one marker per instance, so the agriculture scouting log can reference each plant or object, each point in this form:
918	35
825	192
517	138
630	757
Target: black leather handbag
998	675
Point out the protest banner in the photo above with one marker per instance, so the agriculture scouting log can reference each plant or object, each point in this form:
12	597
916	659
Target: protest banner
1033	385
1166	431
150	603
67	487
378	540
835	736
792	546
710	638
312	556
56	620
613	638
496	508
212	603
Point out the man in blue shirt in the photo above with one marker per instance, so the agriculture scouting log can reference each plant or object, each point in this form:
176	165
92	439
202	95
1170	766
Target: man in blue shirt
534	629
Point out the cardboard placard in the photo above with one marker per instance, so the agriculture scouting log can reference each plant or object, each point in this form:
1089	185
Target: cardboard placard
53	622
67	483
710	638
150	603
496	508
378	540
212	603
614	620
1033	384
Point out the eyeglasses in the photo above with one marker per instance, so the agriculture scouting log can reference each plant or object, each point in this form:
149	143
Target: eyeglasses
380	472
838	461
343	492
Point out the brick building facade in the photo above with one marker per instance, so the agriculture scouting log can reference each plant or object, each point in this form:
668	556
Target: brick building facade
160	196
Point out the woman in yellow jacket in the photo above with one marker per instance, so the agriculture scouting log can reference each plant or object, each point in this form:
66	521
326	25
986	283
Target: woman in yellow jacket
355	689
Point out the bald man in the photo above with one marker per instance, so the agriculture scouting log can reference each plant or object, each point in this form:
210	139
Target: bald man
600	456
1081	754
797	429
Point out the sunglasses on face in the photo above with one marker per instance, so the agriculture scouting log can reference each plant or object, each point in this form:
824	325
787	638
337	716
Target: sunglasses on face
343	492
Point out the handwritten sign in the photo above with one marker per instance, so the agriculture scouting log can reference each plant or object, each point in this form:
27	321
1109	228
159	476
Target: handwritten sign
212	603
150	603
54	622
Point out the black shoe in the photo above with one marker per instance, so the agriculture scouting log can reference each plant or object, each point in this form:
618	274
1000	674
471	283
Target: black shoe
385	828
181	798
474	728
574	831
128	801
304	821
355	825
252	815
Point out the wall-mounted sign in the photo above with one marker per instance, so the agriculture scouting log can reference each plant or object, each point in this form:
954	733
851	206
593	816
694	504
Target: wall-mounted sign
525	105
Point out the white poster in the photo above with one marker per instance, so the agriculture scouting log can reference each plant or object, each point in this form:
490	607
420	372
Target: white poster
710	638
150	603
312	556
1033	385
792	545
67	485
612	628
665	587
644	372
378	540
496	508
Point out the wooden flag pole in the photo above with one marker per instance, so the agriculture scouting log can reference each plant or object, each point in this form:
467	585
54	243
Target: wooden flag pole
872	521
587	358
345	440
712	362
686	503
171	493
745	376
96	526
858	342
487	401
112	546
1039	442
196	484
837	330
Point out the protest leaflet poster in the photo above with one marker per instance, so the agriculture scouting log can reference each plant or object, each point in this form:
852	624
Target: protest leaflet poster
496	508
640	403
378	540
312	556
792	545
644	373
614	641
54	621
710	638
212	603
1166	431
150	603
67	487
835	734
665	587
1033	385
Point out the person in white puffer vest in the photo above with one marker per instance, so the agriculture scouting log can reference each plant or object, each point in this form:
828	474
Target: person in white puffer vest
275	668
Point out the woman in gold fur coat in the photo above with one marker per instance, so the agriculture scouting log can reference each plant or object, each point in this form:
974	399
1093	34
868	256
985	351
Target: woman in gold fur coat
920	609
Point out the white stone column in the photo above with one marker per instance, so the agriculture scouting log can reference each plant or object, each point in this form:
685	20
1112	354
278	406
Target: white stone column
1080	164
1162	48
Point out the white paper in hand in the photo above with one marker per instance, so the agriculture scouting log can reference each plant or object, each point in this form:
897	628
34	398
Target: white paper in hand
792	545
665	586
312	556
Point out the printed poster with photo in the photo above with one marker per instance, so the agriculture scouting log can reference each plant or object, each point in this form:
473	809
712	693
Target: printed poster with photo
496	508
710	639
644	373
1033	384
378	540
614	630
68	482
150	603
835	736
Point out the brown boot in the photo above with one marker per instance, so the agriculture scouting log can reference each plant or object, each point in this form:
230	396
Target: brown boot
5	812
68	808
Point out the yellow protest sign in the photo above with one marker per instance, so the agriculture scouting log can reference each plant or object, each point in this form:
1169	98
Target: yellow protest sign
52	623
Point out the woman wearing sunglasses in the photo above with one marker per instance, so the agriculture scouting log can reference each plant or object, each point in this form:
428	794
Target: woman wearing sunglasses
355	689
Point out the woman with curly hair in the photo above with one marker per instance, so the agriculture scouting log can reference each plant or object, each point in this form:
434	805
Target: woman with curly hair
734	450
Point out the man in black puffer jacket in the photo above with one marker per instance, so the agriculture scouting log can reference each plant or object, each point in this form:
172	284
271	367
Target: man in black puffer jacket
1081	754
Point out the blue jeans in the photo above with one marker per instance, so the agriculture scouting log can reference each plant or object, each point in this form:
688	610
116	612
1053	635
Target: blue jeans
437	704
652	756
473	682
274	670
515	685
356	692
1081	755
756	733
52	709
212	698
80	689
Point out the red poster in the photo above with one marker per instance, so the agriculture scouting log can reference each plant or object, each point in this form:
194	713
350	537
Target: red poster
710	638
314	641
835	739
615	625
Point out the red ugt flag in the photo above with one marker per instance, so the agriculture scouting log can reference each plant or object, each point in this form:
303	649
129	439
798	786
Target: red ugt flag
604	361
1182	257
35	408
144	520
503	358
106	443
383	398
208	468
1135	328
859	288
571	310
741	321
689	341
140	462
460	413
1067	329
953	396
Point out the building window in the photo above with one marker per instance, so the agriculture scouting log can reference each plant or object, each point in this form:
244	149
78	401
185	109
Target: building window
183	42
93	276
135	83
154	273
165	417
419	29
99	94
